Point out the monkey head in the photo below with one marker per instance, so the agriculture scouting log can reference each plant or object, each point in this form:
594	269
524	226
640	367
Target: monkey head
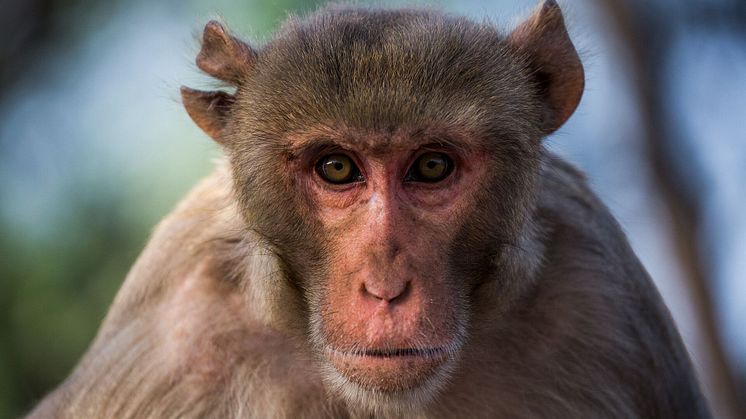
369	150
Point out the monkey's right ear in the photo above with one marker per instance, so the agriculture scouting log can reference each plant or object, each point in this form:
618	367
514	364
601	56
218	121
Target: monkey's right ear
209	110
226	58
555	64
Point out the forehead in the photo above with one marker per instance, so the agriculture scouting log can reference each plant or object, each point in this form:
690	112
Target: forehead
380	71
379	142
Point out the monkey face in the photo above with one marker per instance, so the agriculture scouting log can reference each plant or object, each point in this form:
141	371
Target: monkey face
375	230
388	308
372	227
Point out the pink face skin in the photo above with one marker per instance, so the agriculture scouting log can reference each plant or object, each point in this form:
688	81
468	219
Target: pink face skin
391	314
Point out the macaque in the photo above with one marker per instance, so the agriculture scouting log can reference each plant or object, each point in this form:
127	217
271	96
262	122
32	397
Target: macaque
387	237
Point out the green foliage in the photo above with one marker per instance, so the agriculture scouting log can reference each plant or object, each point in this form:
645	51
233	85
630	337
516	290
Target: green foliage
54	293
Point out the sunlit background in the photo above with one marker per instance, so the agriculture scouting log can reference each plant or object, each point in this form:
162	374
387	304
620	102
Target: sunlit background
95	148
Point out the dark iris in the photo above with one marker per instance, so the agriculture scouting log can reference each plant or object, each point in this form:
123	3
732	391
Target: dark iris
338	169
430	167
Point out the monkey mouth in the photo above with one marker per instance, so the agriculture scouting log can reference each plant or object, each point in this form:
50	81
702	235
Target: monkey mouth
390	369
403	352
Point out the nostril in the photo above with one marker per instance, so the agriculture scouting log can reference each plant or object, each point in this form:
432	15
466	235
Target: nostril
387	292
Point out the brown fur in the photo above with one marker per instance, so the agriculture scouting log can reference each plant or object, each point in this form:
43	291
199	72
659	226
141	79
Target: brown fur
229	309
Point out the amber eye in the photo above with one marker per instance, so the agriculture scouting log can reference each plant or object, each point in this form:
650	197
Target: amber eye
338	169
430	167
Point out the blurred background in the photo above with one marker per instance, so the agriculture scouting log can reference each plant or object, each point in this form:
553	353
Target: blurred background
95	148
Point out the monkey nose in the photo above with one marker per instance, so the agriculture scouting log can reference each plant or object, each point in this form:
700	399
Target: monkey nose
388	292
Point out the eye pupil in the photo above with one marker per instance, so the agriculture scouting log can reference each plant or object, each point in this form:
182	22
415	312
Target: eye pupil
338	166
431	164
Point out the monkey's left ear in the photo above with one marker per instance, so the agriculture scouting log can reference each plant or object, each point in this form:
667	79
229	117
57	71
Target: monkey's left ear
557	69
226	58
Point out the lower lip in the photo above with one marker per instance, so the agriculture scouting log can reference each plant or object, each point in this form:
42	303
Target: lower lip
390	371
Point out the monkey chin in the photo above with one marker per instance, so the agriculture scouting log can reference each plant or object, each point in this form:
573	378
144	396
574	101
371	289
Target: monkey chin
389	382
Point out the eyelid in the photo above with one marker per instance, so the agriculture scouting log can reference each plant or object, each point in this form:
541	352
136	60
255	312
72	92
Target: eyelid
453	153
437	147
